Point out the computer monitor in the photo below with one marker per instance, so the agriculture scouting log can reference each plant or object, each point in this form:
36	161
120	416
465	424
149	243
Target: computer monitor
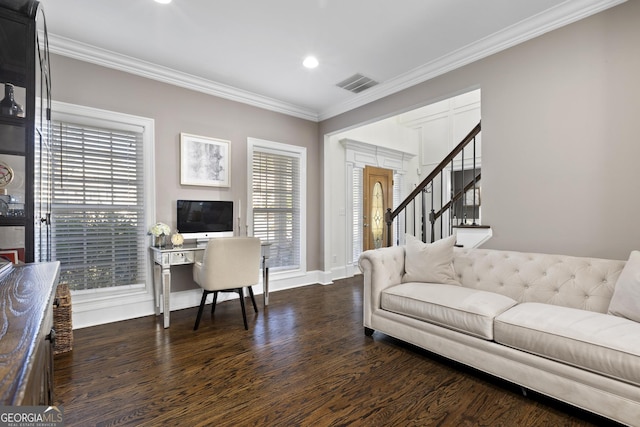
204	219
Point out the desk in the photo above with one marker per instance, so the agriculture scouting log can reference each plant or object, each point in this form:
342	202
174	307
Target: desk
162	259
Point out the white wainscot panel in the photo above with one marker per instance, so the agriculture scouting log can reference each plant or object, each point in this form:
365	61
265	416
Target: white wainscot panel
435	140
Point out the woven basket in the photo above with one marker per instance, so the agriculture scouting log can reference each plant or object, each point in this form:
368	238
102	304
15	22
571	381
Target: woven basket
62	320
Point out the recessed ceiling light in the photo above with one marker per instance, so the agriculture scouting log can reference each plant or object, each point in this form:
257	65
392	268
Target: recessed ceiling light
310	62
163	1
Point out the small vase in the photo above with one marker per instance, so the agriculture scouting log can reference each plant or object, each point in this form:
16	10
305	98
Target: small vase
8	105
160	241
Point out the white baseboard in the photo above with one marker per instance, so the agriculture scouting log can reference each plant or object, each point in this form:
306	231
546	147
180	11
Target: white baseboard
92	312
345	271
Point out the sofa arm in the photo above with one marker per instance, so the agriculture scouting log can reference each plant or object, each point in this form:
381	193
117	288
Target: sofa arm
381	268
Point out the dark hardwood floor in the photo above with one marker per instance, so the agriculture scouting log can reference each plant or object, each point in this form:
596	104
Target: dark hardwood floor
304	362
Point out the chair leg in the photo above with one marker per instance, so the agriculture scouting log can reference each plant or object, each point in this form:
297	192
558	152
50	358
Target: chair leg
244	312
215	301
202	301
253	300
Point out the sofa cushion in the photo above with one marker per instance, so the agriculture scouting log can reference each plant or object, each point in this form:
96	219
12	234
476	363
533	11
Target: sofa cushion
568	281
625	301
429	262
598	342
462	309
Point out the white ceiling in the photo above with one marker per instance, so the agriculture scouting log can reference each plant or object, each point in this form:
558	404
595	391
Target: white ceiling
252	50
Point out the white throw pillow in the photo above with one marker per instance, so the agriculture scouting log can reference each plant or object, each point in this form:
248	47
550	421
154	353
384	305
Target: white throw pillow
626	295
429	262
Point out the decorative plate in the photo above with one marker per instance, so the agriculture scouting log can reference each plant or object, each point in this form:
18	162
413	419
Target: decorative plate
6	175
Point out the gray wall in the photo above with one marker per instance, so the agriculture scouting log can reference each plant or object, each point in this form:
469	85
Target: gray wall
560	146
178	110
561	141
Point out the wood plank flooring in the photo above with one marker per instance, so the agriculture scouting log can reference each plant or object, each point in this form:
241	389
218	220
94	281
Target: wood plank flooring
304	362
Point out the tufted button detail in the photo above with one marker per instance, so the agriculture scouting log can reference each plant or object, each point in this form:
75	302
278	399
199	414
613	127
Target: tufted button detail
573	276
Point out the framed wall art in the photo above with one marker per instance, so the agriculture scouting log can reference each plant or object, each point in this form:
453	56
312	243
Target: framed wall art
205	161
472	196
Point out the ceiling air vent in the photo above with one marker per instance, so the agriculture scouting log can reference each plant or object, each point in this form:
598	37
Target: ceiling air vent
357	83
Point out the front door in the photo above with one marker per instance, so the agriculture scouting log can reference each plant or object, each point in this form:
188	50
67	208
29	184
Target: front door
377	198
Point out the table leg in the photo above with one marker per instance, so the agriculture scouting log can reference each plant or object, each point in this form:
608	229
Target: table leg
166	291
157	286
265	281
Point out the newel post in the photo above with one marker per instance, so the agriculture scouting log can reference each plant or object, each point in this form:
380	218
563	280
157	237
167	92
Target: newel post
389	221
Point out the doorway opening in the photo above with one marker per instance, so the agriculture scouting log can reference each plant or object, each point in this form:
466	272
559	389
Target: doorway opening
410	145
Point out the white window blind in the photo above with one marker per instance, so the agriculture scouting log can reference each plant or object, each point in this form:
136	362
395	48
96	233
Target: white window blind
399	221
357	213
98	225
276	206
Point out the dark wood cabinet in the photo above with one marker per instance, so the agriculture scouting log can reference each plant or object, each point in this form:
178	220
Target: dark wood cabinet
27	296
25	132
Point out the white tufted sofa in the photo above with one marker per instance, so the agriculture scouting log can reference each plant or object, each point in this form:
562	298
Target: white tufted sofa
536	320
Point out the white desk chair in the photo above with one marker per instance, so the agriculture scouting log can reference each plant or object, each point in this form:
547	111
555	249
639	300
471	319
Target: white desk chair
228	265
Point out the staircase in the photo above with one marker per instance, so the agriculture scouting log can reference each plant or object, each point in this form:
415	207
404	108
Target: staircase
447	201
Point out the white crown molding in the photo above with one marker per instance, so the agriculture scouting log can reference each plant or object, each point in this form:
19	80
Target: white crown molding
566	13
363	154
84	52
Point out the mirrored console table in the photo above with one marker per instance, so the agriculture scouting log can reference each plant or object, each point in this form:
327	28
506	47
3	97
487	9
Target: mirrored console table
162	259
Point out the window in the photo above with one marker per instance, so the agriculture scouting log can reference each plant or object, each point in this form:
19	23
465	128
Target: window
398	223
466	210
98	205
277	199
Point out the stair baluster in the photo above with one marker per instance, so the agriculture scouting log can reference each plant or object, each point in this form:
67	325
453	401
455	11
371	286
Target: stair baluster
444	207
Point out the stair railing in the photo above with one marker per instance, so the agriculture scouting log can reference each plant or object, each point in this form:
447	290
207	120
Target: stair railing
438	204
